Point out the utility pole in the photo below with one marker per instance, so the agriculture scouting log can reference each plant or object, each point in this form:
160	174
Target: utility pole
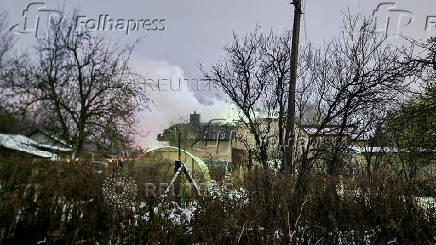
290	117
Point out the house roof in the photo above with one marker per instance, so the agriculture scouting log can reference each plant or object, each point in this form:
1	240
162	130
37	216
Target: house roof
24	144
51	136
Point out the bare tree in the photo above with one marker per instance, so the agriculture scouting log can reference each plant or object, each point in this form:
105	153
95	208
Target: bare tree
353	81
81	87
409	129
6	41
254	76
189	134
6	120
6	60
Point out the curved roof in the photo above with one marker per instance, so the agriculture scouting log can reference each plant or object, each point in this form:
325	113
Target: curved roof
204	169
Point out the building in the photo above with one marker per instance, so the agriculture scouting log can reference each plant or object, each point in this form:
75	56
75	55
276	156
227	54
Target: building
269	128
220	140
210	141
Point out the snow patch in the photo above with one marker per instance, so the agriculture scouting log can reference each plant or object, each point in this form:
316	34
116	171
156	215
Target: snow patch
24	144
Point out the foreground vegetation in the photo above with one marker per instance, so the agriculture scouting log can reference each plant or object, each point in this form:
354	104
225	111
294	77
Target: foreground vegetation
63	204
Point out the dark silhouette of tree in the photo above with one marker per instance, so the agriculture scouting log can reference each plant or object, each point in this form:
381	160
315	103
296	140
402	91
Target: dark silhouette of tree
352	83
81	87
254	76
6	41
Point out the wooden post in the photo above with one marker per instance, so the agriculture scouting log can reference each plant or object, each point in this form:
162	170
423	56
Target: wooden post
177	165
180	152
177	192
290	117
193	170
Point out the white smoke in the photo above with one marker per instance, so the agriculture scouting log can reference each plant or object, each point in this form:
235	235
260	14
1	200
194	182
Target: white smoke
173	100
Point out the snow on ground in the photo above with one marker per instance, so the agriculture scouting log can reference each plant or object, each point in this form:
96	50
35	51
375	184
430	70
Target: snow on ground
183	215
426	202
238	196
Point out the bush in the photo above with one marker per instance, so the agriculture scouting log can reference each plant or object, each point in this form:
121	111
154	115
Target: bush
64	204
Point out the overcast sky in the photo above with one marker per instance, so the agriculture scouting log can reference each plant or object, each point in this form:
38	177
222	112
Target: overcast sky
197	30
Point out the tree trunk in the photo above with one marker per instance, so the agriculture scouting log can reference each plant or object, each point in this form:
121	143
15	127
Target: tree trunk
331	197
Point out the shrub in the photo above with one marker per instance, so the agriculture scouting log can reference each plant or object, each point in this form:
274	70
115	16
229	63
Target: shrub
64	204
